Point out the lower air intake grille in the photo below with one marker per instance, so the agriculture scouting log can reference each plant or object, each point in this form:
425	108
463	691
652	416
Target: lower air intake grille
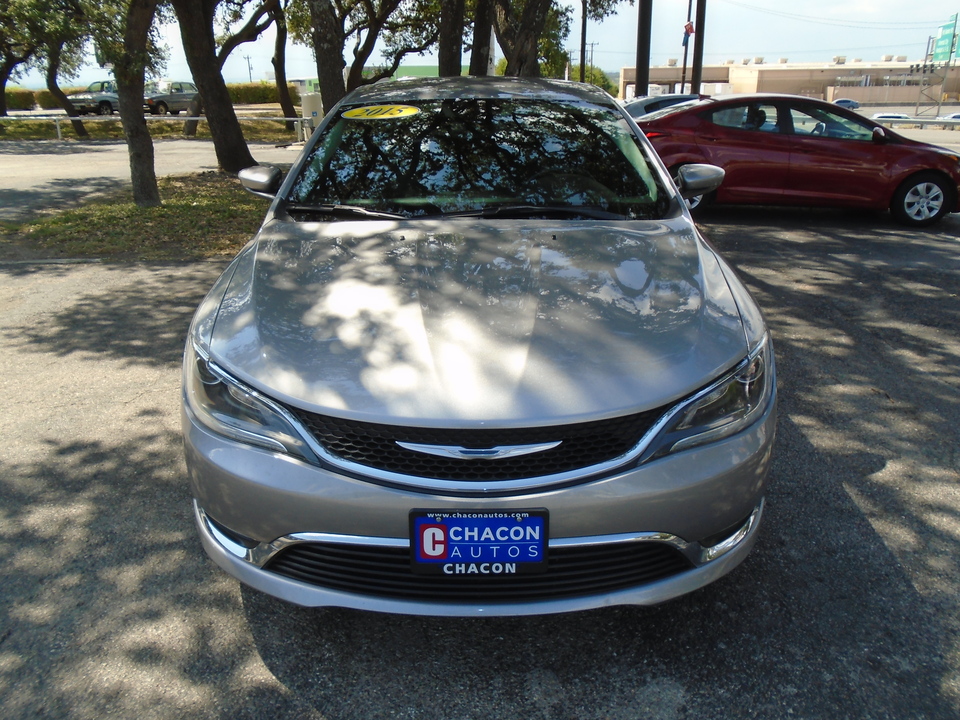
572	572
375	445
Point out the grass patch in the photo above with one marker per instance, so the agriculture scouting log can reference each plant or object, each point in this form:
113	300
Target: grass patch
111	129
206	215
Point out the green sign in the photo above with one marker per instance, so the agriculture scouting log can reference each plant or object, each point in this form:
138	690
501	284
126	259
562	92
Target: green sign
943	44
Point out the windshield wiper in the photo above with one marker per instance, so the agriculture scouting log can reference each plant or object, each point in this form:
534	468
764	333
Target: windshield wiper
527	211
345	211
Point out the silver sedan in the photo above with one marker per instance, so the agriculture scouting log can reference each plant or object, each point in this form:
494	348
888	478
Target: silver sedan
478	360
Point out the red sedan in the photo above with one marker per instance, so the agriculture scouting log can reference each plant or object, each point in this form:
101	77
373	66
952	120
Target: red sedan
792	150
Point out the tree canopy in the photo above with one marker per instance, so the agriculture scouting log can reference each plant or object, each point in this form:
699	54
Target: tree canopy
55	35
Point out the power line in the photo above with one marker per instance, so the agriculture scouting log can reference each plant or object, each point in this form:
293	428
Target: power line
780	51
861	24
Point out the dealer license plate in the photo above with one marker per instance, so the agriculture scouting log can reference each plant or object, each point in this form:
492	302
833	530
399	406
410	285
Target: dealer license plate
478	543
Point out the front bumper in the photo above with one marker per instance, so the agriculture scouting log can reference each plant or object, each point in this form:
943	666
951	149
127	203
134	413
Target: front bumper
713	563
273	501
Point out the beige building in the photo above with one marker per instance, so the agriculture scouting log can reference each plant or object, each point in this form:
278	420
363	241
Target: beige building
891	81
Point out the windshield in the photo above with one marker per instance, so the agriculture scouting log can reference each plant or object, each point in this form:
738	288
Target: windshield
430	158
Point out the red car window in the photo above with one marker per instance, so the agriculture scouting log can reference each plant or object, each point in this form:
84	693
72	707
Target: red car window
751	116
819	122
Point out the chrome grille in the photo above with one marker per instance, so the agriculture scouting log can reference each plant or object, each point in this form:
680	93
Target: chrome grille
572	572
375	445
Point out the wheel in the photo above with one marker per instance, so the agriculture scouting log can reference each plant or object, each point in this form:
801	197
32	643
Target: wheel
162	109
923	199
696	203
105	108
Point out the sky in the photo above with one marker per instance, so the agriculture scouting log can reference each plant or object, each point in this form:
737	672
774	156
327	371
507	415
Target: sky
812	31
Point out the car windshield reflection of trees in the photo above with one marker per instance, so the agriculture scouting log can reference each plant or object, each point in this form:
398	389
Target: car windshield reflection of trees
460	156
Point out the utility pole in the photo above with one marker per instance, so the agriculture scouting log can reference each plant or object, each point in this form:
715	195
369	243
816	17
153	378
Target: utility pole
644	30
696	78
686	44
583	43
592	46
249	68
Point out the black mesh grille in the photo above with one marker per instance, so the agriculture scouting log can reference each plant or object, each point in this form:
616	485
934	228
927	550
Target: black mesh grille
375	445
572	572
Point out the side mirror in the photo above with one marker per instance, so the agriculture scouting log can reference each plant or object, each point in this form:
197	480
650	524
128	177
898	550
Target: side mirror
698	179
879	135
261	180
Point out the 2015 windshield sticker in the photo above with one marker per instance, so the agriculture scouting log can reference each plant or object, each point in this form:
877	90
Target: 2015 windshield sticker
381	112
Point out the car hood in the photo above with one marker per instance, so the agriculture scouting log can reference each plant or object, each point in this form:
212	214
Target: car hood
476	321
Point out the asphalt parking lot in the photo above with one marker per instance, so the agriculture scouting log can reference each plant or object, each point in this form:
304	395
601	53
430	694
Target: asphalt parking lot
849	606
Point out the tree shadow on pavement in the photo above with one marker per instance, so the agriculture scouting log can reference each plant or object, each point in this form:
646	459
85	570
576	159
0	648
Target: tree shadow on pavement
821	621
141	318
18	205
56	147
109	606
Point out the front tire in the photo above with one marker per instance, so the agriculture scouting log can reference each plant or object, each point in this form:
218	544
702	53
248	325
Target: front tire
162	109
105	108
923	199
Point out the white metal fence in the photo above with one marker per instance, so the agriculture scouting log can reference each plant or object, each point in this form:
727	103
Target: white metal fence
303	126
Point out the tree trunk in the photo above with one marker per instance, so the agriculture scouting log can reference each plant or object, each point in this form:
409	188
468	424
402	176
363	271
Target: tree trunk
128	71
194	111
450	52
53	70
482	25
196	30
6	70
583	43
328	41
520	37
279	61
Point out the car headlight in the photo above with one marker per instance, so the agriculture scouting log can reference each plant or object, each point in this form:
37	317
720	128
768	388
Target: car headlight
724	408
227	407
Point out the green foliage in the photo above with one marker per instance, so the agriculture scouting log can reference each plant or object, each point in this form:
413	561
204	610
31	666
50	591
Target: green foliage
595	76
19	21
106	26
410	28
20	99
601	9
46	101
19	128
259	93
553	56
61	36
205	215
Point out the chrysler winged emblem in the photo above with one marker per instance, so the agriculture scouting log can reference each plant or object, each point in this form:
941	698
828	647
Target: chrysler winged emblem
494	453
